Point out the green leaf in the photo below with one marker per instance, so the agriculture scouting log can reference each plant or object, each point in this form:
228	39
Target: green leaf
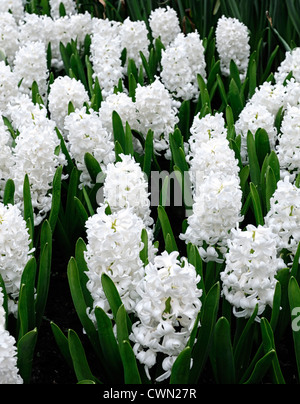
201	348
9	192
262	145
131	372
28	210
109	346
56	198
28	279
224	353
148	153
271	185
97	98
83	215
261	368
144	251
22	312
80	304
128	140
181	367
26	347
184	114
166	227
252	74
253	160
92	166
80	248
80	363
62	343
234	99
256	205
43	284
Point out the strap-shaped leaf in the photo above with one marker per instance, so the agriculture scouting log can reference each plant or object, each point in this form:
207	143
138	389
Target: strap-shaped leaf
256	205
208	318
80	363
261	368
148	153
181	367
28	279
92	166
225	366
42	284
26	347
294	301
109	346
80	248
28	209
62	343
56	198
166	228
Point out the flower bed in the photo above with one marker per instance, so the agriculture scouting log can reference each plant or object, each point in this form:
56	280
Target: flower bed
150	193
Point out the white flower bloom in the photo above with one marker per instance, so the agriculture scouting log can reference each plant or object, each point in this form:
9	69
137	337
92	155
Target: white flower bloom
15	251
290	64
113	248
134	37
8	86
252	118
181	62
106	55
85	134
5	156
30	65
164	24
9	36
35	155
213	157
34	28
63	91
167	310
283	217
251	266
216	210
15	7
155	111
9	372
69	5
288	148
271	96
232	42
126	186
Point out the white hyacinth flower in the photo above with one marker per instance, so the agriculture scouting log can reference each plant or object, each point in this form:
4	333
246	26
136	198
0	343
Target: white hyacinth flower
15	7
9	372
113	248
9	36
252	118
283	217
164	24
155	111
106	52
15	251
232	42
167	310
85	134
288	147
126	186
64	90
8	86
216	210
134	38
34	28
290	64
30	64
181	62
6	161
251	266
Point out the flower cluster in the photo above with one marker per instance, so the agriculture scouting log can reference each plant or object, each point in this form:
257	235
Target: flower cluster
232	42
217	196
251	266
9	372
167	310
164	24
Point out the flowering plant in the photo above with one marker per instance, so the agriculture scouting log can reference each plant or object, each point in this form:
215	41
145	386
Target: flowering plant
149	155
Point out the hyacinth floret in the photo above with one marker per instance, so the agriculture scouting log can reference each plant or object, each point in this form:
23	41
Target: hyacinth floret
251	265
164	24
69	7
167	310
